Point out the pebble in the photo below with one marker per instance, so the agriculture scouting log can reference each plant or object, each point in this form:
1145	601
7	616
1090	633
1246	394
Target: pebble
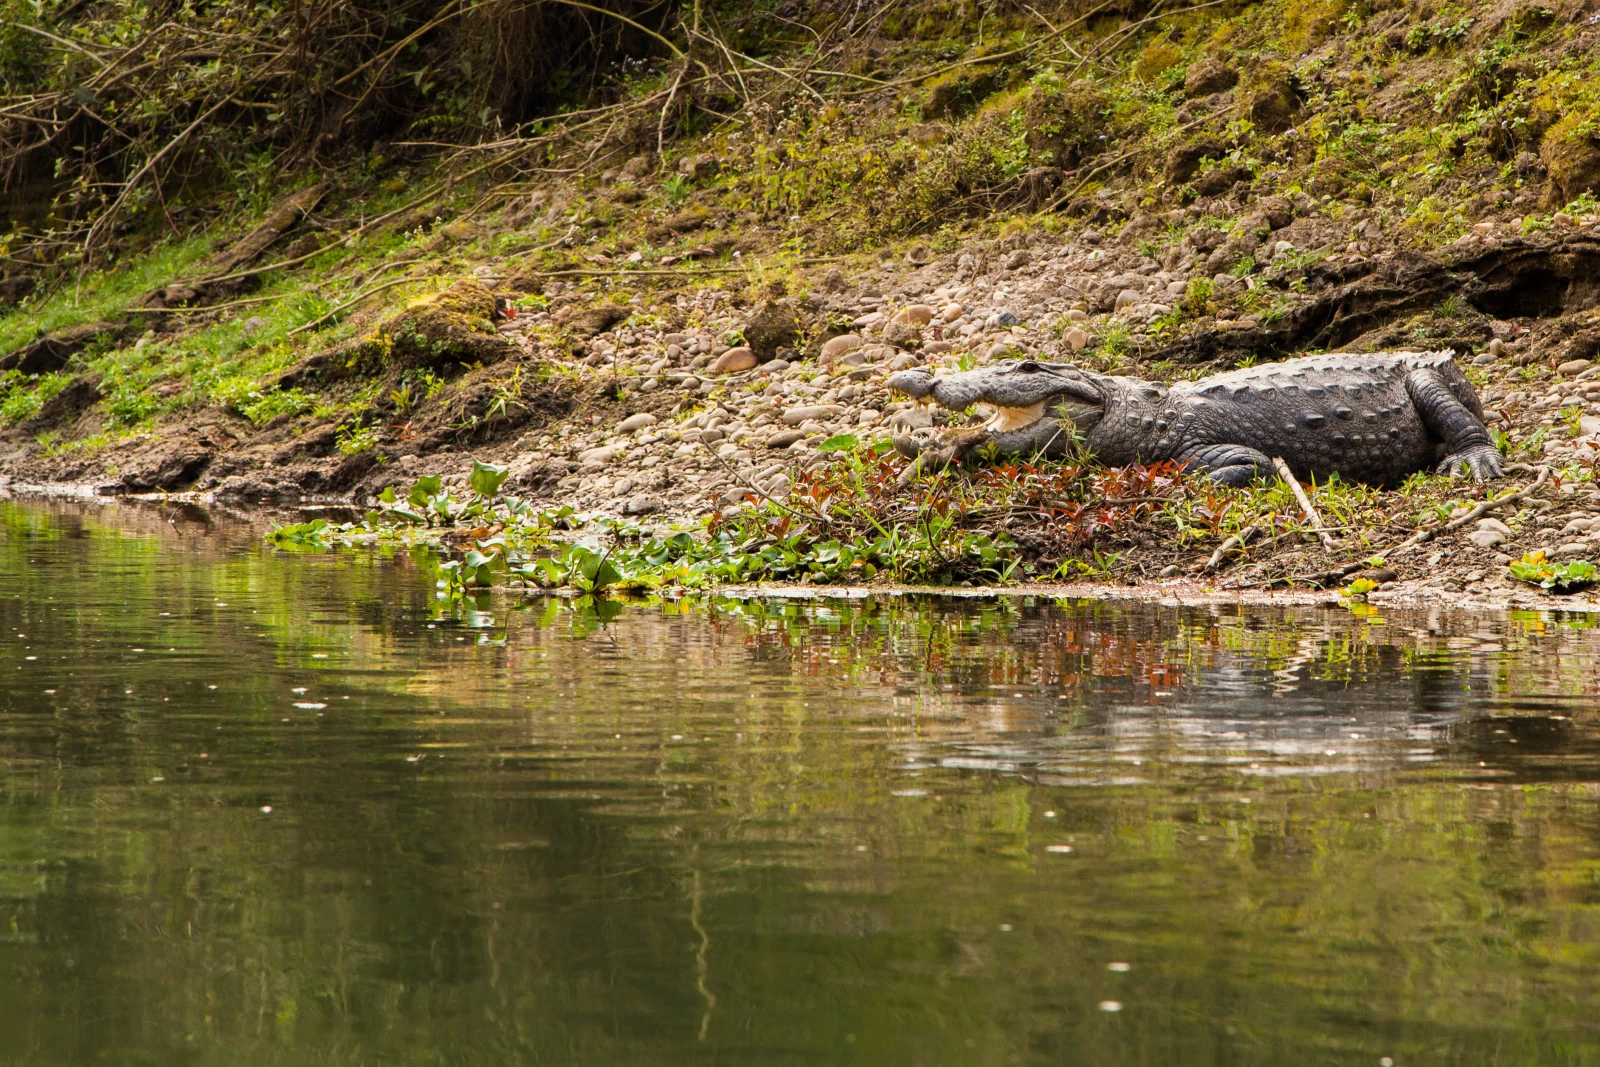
641	505
734	360
1573	367
839	346
636	422
951	313
795	416
914	315
1486	538
785	438
1077	338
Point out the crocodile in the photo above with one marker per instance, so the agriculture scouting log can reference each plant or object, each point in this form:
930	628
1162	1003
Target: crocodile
1373	418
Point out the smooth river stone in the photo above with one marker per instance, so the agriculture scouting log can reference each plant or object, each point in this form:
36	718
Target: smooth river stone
795	416
914	315
841	345
734	360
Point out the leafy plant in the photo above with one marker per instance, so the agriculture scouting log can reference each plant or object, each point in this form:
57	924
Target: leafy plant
486	479
676	188
1535	569
356	437
1358	589
304	534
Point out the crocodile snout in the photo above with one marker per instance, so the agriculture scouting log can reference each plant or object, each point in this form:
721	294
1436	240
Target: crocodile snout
914	383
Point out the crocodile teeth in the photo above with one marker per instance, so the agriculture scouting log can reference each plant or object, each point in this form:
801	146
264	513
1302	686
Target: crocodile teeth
1006	420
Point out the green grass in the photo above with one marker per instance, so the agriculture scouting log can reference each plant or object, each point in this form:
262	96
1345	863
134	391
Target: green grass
21	397
102	294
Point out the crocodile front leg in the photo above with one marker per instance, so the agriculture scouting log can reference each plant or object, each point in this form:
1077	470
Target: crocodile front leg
1466	439
1235	465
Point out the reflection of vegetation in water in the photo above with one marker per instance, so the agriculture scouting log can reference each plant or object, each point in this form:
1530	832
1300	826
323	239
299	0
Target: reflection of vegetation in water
546	828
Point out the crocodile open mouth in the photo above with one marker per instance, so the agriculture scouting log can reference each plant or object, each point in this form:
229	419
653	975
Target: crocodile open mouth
1002	419
1009	420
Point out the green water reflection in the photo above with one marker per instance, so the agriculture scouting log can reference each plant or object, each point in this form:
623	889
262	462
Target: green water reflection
263	809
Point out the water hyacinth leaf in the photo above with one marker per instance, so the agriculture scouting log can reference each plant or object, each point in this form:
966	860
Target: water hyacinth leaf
302	533
1535	569
597	608
844	442
388	496
590	570
426	489
605	574
1360	587
487	479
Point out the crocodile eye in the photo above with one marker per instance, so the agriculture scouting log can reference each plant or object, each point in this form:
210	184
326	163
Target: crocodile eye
1027	366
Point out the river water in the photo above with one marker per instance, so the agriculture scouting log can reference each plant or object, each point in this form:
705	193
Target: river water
259	808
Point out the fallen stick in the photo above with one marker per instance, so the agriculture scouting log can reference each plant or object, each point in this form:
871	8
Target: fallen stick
1422	537
1312	517
744	483
288	212
1238	540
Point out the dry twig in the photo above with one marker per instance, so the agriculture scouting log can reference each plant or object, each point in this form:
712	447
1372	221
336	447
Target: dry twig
1312	517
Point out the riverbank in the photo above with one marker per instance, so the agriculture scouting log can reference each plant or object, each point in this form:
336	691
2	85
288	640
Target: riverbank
690	332
1411	581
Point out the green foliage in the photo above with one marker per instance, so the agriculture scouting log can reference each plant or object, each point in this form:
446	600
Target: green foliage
314	534
474	570
1358	589
487	479
1115	339
1535	569
1197	297
356	437
676	188
21	396
263	407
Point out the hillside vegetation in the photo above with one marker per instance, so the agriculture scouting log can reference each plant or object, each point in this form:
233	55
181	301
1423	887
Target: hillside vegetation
333	248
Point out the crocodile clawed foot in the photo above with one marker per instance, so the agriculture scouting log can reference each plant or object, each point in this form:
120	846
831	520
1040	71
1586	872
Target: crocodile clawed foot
1483	463
927	452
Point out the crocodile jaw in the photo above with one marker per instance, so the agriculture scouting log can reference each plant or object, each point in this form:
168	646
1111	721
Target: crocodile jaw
1008	420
